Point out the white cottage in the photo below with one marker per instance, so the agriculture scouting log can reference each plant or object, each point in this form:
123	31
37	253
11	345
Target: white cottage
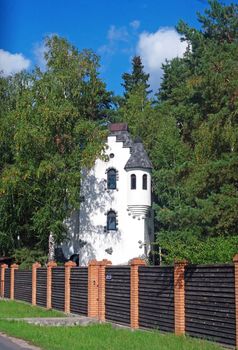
115	218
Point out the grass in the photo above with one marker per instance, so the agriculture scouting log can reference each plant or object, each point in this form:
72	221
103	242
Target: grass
11	308
100	337
93	337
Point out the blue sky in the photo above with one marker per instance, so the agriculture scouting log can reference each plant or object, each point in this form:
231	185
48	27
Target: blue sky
116	30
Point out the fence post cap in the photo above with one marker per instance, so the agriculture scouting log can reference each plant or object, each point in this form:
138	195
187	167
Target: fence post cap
183	262
137	262
93	262
235	259
104	262
51	264
70	264
4	266
36	265
14	266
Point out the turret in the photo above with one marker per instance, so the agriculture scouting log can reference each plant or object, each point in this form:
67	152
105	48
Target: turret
138	170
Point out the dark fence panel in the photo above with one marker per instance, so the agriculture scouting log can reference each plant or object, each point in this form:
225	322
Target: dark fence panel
7	283
210	302
58	285
118	294
156	297
79	290
41	286
23	285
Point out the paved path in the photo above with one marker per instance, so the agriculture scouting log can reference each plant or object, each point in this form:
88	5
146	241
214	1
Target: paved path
57	321
9	343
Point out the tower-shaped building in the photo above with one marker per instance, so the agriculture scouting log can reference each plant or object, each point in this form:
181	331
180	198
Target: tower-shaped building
114	220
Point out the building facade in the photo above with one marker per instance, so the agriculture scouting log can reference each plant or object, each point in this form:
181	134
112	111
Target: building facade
115	217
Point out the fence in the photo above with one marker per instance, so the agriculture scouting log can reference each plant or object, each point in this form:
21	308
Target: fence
198	300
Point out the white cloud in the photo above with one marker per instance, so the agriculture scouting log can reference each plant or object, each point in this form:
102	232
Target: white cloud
117	38
135	24
155	48
12	63
39	53
117	34
39	50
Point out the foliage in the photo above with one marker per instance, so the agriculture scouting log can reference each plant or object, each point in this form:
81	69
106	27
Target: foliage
135	108
137	78
25	257
197	249
198	196
52	127
191	135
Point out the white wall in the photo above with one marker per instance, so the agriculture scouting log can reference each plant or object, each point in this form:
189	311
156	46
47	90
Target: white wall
86	227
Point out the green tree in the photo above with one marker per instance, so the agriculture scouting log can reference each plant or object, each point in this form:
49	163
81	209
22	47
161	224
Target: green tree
136	79
198	195
55	131
135	108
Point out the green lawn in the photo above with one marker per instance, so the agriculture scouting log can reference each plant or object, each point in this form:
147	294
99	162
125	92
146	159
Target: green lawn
11	308
100	337
93	337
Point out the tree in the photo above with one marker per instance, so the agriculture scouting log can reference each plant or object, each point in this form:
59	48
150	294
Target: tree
55	131
136	79
197	193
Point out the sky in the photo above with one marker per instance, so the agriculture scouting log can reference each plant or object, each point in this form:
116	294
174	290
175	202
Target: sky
115	30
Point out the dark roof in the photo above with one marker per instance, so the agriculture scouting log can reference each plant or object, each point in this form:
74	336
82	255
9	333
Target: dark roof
120	130
139	157
118	127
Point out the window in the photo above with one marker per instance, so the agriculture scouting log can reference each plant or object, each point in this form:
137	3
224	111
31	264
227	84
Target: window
133	182
144	182
111	179
111	221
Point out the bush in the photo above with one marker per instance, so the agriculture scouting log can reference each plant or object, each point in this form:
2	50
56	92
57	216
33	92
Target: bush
197	250
25	257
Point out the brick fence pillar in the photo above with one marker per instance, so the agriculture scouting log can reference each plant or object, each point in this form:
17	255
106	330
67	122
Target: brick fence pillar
3	268
134	278
35	266
68	265
101	288
13	268
50	265
179	297
235	260
93	268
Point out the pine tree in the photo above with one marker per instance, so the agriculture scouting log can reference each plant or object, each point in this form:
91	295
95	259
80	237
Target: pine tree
136	79
197	198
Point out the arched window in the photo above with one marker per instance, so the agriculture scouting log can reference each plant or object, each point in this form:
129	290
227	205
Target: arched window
133	182
144	182
111	221
111	179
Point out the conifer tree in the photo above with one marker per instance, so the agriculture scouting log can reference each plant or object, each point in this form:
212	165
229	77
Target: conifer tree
136	79
197	193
